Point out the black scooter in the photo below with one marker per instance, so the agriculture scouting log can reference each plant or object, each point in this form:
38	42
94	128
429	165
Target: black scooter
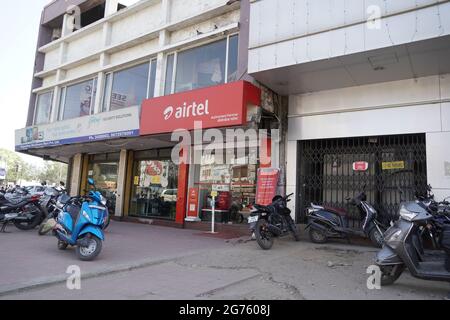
403	248
325	222
272	221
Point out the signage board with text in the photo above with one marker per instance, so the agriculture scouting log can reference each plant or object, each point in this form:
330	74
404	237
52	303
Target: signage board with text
103	126
217	106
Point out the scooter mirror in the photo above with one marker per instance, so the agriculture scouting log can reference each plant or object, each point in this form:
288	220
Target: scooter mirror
91	182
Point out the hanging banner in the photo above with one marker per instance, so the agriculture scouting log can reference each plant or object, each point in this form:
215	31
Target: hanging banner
266	187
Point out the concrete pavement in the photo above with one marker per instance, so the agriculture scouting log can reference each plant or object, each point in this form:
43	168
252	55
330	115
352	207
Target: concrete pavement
183	265
28	260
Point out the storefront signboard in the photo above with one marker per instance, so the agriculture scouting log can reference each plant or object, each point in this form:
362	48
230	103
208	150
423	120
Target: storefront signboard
218	106
266	187
104	126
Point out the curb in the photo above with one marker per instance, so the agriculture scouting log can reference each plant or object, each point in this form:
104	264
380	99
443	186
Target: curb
49	281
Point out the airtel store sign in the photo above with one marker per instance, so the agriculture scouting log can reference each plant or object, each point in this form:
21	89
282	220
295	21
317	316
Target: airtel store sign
218	106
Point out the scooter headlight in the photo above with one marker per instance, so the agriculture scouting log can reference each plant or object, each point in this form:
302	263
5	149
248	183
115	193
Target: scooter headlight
406	214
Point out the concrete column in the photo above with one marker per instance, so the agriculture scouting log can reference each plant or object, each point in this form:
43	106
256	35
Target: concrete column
121	182
62	53
111	7
99	94
164	39
106	36
291	174
55	104
77	167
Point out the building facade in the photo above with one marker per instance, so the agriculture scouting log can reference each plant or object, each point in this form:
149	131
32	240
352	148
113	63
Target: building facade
369	95
113	80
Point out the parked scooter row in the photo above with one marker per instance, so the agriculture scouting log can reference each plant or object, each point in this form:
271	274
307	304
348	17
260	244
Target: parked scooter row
326	222
404	242
21	209
75	221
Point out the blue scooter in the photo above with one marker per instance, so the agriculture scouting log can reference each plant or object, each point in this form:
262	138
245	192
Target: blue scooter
80	223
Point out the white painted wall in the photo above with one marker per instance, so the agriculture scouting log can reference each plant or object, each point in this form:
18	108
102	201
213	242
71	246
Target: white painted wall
147	29
401	107
289	32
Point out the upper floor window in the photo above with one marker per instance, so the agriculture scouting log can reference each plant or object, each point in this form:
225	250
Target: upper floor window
78	100
43	108
208	65
129	87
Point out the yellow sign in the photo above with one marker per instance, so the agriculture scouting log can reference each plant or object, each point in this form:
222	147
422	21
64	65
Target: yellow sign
136	180
394	165
156	180
214	194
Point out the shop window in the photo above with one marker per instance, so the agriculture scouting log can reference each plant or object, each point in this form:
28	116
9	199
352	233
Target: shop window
236	186
78	100
202	66
43	108
233	58
129	87
155	189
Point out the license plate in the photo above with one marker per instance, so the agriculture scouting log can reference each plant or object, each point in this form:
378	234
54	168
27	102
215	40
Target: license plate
253	219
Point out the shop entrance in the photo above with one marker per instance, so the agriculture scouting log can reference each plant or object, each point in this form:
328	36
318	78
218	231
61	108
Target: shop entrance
155	185
329	171
104	169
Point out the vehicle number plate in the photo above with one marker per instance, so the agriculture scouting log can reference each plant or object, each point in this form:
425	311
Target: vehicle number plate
253	219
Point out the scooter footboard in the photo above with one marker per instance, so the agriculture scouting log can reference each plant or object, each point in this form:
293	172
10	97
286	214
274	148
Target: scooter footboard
387	257
96	231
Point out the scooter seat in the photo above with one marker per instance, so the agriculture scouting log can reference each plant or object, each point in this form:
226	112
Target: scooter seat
339	212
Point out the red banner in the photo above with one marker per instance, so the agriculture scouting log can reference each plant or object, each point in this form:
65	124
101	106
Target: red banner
218	106
267	184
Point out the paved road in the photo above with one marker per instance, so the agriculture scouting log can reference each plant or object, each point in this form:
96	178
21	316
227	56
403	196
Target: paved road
188	266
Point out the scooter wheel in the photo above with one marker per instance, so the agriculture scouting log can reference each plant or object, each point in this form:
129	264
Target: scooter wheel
317	236
390	274
90	252
62	245
376	237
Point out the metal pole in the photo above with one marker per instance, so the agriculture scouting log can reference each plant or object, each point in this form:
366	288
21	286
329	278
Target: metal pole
213	215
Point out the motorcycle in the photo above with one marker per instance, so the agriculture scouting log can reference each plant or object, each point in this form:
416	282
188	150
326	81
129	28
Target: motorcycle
21	209
49	204
80	223
326	222
272	221
403	248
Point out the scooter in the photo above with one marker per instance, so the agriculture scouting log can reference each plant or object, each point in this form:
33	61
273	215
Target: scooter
403	248
325	222
81	223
